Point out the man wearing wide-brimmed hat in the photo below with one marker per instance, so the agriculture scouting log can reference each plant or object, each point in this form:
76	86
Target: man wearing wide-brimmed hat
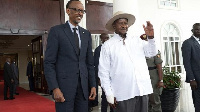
123	70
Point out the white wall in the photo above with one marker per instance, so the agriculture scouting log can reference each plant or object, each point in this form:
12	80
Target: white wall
107	1
184	17
22	61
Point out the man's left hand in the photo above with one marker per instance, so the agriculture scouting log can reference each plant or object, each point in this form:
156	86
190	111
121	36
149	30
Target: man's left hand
92	93
160	84
149	31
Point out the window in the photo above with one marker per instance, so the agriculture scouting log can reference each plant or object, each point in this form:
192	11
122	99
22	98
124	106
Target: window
171	47
168	4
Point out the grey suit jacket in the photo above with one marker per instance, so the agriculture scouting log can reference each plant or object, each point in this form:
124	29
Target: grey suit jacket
191	59
63	65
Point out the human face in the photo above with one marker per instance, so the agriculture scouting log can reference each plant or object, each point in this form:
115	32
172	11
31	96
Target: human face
196	31
9	60
104	37
121	26
75	12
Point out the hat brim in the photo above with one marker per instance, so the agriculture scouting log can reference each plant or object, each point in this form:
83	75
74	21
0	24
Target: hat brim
130	17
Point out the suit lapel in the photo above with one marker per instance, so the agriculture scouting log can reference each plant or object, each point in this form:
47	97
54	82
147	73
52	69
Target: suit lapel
195	43
83	40
70	35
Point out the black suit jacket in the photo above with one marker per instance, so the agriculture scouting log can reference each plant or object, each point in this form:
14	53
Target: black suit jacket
8	74
29	70
191	59
96	58
63	65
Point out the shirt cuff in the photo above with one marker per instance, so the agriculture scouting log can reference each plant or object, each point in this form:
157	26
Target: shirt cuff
110	99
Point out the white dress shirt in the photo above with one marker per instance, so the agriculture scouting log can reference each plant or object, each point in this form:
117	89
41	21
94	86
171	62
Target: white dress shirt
77	31
197	39
123	69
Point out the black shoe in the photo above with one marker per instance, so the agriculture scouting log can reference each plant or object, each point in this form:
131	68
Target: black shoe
16	93
12	98
6	98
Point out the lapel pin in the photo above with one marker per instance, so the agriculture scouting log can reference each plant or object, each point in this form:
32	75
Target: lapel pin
83	32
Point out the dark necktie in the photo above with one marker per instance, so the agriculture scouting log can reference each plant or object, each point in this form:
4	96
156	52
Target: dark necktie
76	38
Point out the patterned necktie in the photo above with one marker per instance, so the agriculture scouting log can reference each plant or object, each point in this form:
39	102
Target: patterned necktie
76	38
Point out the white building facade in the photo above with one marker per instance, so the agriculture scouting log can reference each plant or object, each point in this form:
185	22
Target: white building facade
172	21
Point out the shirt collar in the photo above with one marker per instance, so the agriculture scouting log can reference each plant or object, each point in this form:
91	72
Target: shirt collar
196	38
117	36
72	26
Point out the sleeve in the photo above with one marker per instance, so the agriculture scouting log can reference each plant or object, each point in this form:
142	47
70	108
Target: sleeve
186	53
90	64
50	60
96	58
157	59
104	70
150	49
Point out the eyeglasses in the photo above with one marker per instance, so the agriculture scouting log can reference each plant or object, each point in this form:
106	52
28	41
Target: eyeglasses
78	10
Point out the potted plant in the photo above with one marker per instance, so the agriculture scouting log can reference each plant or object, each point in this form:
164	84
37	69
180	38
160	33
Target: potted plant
171	91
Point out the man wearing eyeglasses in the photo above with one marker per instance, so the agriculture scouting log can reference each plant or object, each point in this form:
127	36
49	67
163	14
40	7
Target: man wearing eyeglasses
68	63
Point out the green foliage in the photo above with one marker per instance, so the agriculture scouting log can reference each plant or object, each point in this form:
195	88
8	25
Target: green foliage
171	79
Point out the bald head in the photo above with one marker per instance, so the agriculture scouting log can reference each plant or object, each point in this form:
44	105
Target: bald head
104	37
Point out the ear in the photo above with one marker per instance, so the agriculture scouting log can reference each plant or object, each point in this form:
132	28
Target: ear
68	11
114	26
192	30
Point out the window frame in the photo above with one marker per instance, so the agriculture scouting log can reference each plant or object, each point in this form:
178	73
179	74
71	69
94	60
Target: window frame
169	7
169	43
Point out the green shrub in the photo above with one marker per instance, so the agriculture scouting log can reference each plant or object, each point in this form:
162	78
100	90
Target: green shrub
171	79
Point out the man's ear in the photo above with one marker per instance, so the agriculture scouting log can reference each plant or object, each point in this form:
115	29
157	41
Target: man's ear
114	26
192	30
67	11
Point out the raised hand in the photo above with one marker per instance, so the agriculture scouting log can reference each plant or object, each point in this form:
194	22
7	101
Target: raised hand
149	31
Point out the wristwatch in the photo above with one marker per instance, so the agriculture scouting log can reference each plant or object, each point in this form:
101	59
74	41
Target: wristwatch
192	80
161	80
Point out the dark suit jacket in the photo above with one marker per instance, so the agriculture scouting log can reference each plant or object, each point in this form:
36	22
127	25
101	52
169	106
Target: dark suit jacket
29	70
191	59
96	57
8	74
63	65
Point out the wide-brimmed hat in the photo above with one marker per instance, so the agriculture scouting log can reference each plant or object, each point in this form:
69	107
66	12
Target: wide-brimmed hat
118	15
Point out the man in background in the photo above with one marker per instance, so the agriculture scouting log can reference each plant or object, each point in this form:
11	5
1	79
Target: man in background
29	73
15	76
104	104
191	62
156	75
8	79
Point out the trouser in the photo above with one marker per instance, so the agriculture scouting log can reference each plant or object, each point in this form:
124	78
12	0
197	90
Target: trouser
136	104
154	103
6	86
79	104
15	88
104	103
31	83
196	99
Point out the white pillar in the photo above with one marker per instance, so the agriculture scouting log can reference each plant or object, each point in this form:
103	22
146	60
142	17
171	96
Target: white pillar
129	6
66	16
